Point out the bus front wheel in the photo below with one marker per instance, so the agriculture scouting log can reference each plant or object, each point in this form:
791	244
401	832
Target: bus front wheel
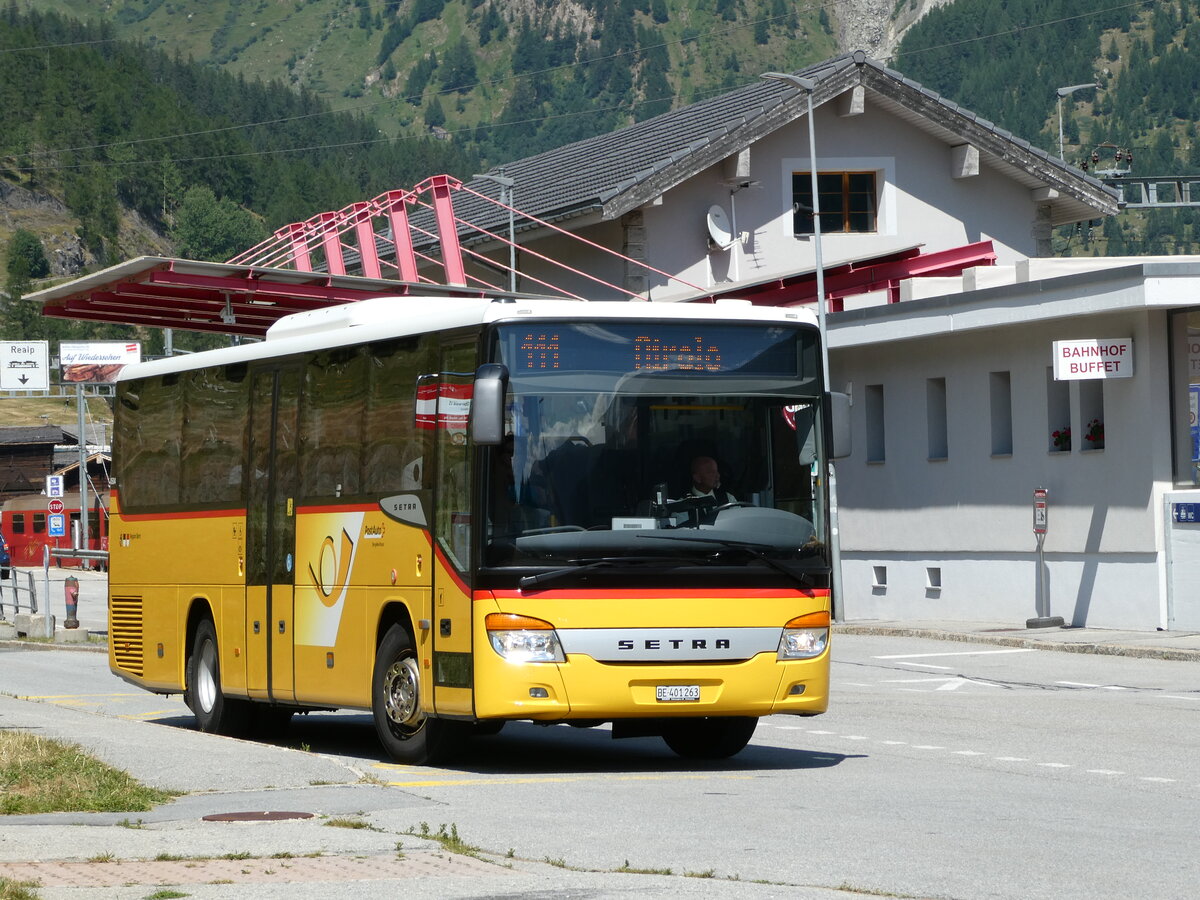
405	729
712	738
214	712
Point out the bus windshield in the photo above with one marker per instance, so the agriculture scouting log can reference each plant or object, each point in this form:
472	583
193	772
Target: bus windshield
671	442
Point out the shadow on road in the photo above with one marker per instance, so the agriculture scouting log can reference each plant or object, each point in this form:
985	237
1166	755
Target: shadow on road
526	748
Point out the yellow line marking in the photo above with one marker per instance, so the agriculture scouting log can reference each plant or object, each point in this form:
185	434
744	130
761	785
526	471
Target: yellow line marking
147	715
76	696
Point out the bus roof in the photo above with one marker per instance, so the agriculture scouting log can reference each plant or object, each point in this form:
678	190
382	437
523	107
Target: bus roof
381	318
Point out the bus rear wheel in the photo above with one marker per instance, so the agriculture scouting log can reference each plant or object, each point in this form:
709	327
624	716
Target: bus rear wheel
712	738
215	713
405	729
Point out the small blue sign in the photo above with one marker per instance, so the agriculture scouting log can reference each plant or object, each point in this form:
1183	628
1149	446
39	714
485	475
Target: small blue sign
1185	512
56	525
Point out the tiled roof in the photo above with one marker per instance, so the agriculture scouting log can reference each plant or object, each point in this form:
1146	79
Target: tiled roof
594	174
31	434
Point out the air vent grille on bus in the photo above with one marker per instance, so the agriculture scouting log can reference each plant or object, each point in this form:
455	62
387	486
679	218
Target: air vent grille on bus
126	633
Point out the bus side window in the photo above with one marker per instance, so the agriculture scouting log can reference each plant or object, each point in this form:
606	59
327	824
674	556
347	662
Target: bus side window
18	523
331	423
395	451
149	468
214	429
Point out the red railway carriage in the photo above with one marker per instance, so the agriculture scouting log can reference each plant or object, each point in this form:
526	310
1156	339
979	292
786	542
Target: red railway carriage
25	522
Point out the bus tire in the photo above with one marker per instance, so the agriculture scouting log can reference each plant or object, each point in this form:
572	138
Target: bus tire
406	731
215	713
712	738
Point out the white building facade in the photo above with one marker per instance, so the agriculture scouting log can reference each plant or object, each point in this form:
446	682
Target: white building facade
956	409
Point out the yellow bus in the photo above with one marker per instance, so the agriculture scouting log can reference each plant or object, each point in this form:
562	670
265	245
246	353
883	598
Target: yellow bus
457	513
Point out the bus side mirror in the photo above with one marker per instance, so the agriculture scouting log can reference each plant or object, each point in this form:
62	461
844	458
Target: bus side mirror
838	426
487	404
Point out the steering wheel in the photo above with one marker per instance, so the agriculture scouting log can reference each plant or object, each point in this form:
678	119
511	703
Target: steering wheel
731	505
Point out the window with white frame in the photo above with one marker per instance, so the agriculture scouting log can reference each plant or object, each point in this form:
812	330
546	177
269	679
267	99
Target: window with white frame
849	203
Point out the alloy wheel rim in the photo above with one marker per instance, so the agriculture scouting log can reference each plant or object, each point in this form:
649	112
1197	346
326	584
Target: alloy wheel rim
206	677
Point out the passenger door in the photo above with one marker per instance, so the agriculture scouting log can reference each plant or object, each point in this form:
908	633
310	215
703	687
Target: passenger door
453	532
271	532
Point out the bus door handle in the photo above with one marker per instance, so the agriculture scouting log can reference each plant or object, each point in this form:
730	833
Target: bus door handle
444	627
257	627
282	626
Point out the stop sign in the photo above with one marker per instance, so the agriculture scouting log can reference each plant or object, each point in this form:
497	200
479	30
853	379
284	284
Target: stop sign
55	506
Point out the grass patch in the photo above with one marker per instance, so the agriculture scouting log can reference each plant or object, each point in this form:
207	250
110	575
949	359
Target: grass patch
39	775
635	870
346	823
166	894
18	890
847	886
448	837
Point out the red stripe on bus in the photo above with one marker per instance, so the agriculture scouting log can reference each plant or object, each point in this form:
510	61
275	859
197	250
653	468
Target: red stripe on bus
634	593
337	508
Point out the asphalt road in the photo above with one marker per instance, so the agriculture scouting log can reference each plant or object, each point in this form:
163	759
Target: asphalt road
942	770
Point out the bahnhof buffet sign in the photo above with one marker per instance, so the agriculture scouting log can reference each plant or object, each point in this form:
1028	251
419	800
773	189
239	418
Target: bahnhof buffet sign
1093	358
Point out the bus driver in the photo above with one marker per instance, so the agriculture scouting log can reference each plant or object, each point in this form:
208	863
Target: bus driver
706	482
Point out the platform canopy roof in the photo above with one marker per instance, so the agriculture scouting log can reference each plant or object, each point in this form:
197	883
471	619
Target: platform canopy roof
229	299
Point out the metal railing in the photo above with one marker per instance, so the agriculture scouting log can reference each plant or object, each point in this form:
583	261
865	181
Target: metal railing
66	391
10	586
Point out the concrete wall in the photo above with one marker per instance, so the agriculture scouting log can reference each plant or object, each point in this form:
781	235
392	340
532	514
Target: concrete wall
969	513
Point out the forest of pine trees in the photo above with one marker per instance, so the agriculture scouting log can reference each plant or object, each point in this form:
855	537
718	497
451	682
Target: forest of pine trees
1146	57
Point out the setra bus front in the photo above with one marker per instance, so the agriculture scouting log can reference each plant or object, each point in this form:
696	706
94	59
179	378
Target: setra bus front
655	551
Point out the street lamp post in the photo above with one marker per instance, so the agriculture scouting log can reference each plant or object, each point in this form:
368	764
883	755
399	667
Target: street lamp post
808	85
1066	92
506	197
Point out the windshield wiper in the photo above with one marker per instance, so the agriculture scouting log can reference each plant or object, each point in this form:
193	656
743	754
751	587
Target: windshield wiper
531	581
805	580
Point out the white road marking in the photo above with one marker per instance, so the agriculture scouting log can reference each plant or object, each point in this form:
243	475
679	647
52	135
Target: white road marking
927	747
947	682
1105	772
895	743
1055	765
959	653
925	665
1084	684
1011	759
967	753
1158	780
955	685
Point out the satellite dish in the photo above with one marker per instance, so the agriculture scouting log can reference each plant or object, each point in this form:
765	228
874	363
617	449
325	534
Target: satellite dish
719	230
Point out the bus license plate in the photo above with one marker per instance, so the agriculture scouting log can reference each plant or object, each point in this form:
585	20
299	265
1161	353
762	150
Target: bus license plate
671	692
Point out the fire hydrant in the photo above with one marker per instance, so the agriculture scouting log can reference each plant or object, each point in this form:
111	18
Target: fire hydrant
71	590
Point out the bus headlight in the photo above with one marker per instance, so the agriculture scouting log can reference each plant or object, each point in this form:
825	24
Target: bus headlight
805	636
522	639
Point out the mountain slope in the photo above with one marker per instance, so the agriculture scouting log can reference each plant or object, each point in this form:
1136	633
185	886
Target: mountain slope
1006	61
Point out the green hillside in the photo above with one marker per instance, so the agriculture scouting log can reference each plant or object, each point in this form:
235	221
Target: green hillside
1006	60
508	78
